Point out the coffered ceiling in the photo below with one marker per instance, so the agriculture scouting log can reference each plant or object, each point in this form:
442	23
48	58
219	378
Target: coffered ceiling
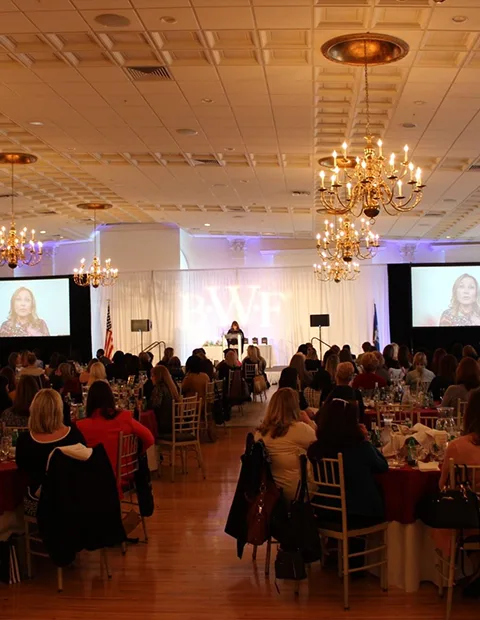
248	79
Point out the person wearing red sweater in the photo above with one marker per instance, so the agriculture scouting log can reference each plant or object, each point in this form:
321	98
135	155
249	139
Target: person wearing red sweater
368	378
104	423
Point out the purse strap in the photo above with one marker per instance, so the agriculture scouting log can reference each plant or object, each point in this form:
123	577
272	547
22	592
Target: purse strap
302	489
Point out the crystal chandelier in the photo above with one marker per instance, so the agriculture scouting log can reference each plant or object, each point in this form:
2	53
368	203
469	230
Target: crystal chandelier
15	248
95	275
345	242
336	270
368	184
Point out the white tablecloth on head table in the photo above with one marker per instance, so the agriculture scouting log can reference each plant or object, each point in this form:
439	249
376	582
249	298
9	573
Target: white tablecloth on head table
215	353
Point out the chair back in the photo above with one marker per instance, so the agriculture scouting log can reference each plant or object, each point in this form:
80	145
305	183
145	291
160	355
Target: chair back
399	412
251	370
312	397
329	495
461	406
127	463
209	396
218	389
428	420
467	472
186	417
264	340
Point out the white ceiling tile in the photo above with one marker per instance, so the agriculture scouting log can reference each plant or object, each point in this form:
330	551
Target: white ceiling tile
284	17
223	18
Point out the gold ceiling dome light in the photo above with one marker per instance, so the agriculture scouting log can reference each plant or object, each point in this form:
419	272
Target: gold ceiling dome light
336	270
95	275
15	248
371	182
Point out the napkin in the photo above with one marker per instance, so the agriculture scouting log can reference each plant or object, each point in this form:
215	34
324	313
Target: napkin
432	466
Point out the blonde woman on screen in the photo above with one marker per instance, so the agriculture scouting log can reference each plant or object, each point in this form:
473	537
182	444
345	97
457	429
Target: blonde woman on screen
464	308
22	319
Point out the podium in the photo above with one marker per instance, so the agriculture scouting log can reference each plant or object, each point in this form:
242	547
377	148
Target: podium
235	341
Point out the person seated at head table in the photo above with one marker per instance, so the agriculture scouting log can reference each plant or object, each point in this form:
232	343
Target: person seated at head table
46	432
104	423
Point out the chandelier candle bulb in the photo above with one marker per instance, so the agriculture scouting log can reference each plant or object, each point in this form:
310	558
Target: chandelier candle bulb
405	148
349	190
332	181
344	147
322	177
380	144
418	177
399	184
411	167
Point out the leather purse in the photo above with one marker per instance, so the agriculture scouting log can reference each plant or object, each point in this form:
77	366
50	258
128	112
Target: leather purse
289	565
259	384
260	512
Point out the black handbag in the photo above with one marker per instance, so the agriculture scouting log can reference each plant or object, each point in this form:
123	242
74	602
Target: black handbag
289	565
143	486
303	522
454	509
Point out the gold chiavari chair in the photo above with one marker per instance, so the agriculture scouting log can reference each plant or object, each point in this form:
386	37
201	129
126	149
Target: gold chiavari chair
461	406
399	412
428	420
470	543
207	424
312	397
330	498
185	433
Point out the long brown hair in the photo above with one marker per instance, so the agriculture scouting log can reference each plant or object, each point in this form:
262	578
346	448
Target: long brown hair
471	419
468	373
283	410
9	375
337	429
298	362
438	355
454	305
26	389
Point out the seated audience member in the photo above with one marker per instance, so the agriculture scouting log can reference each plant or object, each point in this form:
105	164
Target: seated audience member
31	369
104	423
47	432
18	413
457	351
175	368
289	379
404	358
339	432
464	451
287	433
469	351
97	373
467	378
195	382
331	365
263	361
254	358
322	379
167	356
298	362
368	379
229	363
5	400
438	355
9	375
382	370
85	374
68	381
445	377
207	366
14	362
389	356
117	369
38	354
145	365
164	393
420	373
366	348
102	358
312	363
343	389
55	360
345	356
303	349
132	365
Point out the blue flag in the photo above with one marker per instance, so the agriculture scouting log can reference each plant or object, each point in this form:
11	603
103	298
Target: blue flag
376	339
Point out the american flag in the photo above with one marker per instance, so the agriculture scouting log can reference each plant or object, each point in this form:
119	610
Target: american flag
109	335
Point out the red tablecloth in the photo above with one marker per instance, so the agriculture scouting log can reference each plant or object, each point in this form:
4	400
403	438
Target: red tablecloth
403	489
12	487
148	419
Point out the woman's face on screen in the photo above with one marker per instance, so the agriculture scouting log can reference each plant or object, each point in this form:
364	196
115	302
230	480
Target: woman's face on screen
467	291
23	304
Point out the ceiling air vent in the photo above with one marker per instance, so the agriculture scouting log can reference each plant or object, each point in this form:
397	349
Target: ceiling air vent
235	208
435	214
149	73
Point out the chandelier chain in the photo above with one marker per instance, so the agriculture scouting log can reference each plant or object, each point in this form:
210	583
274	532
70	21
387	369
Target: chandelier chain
367	91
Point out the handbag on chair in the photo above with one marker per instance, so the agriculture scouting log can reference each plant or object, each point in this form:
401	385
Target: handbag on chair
259	384
260	511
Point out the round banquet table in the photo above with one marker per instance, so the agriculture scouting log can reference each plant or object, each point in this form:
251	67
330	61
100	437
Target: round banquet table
12	489
411	550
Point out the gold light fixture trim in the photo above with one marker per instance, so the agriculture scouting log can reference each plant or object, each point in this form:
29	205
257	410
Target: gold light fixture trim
345	242
95	275
336	271
15	246
360	48
368	183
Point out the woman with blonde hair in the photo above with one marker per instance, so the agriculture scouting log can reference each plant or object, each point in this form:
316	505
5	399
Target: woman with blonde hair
97	373
298	362
420	373
286	435
46	432
22	318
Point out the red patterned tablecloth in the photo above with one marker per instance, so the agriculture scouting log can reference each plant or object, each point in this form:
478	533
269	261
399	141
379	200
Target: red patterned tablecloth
403	489
12	487
148	419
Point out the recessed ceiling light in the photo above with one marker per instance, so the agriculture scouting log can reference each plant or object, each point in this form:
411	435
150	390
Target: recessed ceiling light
409	125
168	19
187	132
448	237
112	19
459	19
207	100
207	225
42	232
419	102
36	123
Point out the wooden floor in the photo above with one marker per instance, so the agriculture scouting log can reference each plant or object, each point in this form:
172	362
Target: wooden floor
189	569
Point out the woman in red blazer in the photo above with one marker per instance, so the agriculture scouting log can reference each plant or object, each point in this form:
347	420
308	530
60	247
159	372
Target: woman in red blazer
104	423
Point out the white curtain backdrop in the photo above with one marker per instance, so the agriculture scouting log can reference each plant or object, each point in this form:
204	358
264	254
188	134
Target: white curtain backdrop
191	308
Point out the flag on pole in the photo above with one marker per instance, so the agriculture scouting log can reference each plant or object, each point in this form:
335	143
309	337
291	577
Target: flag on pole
109	335
376	339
